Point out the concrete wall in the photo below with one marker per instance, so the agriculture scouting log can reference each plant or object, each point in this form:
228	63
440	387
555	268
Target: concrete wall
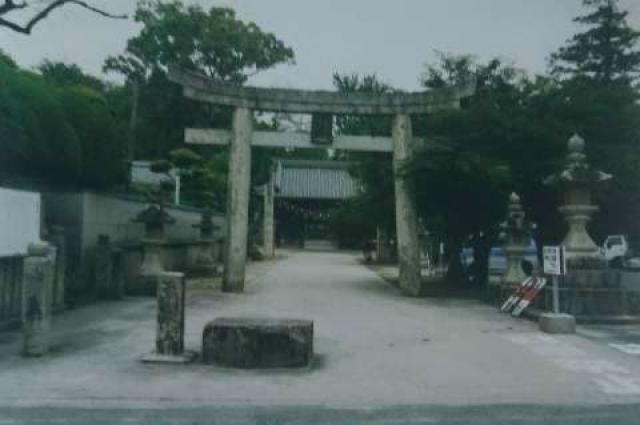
19	221
87	215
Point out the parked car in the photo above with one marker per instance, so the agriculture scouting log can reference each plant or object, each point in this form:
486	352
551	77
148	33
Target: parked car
497	258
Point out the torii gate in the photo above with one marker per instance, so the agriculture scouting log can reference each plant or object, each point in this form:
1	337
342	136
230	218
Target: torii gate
322	105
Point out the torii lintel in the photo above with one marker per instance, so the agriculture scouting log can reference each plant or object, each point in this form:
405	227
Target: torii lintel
199	87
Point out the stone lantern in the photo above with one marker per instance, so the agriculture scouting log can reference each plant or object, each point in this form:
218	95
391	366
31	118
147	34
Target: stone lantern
154	218
576	182
205	259
206	225
516	230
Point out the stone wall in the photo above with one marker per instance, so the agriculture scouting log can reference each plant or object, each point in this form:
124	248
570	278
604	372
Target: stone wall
86	215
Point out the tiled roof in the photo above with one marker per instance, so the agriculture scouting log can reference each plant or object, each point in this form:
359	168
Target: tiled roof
302	179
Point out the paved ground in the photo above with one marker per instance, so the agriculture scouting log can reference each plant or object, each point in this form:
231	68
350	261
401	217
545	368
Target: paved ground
381	358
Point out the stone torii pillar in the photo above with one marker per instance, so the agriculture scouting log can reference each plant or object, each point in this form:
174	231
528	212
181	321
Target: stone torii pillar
238	201
268	224
406	214
322	105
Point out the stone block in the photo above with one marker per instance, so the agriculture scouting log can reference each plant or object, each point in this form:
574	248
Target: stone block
253	343
557	323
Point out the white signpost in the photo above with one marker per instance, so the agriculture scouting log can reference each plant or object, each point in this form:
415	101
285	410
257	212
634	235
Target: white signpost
554	264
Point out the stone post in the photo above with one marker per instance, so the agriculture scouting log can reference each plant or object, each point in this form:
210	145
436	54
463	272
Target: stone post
268	229
406	215
171	292
36	302
58	240
103	267
238	201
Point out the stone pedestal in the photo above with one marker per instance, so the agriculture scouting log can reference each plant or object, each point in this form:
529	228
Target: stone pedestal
151	265
37	285
553	323
205	263
410	279
251	343
578	243
171	291
514	275
152	261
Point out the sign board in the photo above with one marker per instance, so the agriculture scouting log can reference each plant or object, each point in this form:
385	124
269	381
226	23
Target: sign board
554	262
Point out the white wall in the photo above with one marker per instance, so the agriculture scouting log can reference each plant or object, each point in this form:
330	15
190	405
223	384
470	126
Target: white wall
19	221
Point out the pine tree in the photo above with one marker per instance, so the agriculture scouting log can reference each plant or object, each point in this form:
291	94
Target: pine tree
607	52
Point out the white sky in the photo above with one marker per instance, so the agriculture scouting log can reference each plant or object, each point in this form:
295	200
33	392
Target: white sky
392	38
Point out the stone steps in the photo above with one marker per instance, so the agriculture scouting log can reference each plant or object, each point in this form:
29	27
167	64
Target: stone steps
319	245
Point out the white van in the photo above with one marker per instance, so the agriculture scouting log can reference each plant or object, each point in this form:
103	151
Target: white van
615	246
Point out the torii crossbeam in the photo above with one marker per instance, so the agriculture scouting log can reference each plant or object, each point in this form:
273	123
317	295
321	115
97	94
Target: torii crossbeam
322	105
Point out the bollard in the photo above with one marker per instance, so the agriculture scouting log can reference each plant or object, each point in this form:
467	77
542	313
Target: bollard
36	299
170	294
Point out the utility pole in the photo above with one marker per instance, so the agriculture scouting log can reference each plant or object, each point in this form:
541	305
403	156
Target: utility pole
133	119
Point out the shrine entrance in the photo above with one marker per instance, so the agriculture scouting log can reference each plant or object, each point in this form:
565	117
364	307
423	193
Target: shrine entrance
322	105
305	192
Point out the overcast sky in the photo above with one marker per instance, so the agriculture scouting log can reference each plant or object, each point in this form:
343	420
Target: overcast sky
392	38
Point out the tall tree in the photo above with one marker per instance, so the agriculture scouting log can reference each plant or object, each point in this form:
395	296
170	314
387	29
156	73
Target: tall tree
40	11
471	158
607	51
597	98
213	42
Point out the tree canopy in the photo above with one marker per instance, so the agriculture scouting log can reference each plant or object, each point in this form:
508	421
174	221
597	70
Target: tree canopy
61	132
212	41
607	51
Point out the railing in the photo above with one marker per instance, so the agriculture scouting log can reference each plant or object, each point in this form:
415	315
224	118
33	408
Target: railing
10	291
